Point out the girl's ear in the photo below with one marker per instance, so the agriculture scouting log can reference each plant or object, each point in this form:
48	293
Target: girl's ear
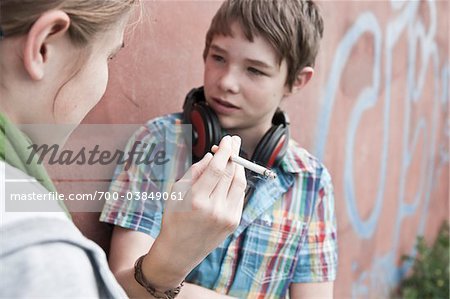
51	26
301	80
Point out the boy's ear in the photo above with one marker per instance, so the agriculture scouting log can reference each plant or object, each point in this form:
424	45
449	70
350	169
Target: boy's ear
50	26
301	80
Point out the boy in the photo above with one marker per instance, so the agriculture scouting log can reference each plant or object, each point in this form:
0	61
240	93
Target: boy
256	54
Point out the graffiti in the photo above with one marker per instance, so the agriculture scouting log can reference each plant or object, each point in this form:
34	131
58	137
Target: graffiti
420	134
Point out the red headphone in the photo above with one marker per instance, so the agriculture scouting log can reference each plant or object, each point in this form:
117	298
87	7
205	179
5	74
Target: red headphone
206	131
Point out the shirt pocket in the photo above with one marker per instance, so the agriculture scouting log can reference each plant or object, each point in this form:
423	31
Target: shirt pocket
269	252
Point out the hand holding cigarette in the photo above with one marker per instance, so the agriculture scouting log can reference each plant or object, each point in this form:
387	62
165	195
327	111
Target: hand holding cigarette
213	193
267	173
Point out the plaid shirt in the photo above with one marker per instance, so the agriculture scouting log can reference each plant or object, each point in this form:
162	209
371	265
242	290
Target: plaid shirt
287	233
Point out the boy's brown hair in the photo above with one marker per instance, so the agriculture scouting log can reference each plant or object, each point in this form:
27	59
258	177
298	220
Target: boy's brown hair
292	27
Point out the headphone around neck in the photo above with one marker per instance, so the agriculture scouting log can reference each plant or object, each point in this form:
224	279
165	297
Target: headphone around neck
206	131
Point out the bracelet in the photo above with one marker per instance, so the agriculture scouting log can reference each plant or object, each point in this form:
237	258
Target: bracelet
139	276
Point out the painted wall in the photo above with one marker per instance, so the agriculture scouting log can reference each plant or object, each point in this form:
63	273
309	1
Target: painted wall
376	113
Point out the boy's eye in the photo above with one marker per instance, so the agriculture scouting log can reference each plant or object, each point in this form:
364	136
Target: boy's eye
254	71
217	58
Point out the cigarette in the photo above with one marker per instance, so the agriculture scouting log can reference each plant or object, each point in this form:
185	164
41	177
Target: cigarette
267	173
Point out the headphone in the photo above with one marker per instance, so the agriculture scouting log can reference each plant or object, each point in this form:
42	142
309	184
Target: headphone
206	131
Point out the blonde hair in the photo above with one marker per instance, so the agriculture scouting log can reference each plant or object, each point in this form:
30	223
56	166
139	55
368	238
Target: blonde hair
294	28
88	17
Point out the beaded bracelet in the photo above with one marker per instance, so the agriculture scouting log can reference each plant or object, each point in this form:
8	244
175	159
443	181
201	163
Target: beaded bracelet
139	276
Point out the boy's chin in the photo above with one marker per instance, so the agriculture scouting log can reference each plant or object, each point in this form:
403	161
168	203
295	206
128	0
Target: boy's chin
226	122
230	128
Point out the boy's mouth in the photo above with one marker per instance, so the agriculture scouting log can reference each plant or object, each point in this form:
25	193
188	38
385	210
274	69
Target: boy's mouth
223	107
224	103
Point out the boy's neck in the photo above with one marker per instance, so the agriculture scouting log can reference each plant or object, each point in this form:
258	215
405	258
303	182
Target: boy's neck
250	138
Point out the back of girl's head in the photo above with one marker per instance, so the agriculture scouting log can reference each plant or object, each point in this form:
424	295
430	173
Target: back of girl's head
88	17
292	27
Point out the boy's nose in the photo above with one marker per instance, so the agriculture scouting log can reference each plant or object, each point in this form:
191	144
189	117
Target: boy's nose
229	82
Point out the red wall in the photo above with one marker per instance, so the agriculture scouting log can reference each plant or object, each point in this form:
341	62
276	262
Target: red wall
376	113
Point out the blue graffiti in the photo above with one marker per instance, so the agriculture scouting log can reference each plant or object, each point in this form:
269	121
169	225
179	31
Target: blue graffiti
419	133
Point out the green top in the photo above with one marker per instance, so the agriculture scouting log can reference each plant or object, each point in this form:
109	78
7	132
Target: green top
14	150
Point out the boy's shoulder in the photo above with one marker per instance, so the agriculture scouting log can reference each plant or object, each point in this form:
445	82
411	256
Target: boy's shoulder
164	121
299	161
159	126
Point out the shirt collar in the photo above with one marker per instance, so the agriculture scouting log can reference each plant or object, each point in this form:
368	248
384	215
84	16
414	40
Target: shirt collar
297	160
